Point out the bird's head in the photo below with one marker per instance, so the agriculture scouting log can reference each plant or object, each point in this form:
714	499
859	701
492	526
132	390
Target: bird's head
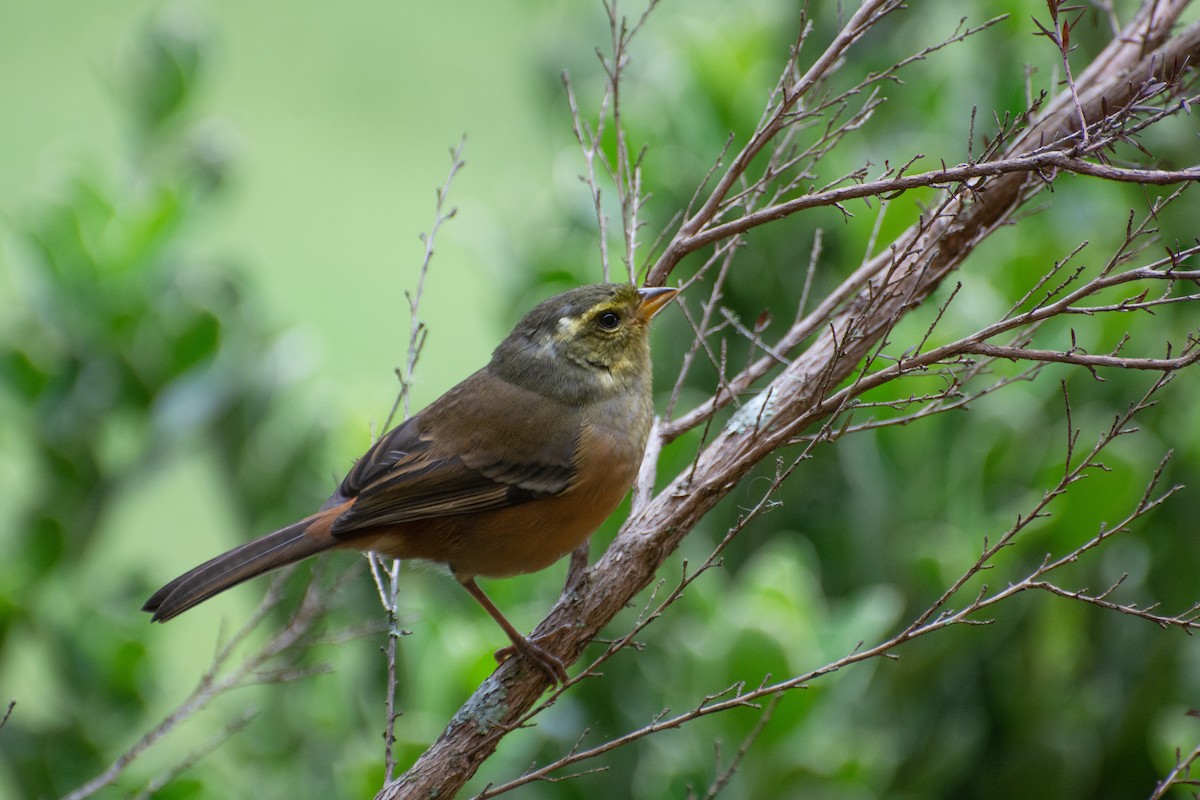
586	343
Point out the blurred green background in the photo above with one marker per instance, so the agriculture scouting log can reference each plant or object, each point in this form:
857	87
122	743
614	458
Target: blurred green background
210	216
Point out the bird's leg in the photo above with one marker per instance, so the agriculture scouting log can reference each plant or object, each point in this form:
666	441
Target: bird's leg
520	644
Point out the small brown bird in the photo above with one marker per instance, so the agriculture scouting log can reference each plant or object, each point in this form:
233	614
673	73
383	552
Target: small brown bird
502	475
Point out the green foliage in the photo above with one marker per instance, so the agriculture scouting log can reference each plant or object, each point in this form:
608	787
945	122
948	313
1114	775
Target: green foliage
131	348
125	351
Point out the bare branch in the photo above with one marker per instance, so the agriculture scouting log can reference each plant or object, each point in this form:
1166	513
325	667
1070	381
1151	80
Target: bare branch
387	575
1066	161
722	780
1180	774
1082	359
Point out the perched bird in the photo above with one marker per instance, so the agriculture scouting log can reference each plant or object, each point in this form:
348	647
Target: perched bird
502	475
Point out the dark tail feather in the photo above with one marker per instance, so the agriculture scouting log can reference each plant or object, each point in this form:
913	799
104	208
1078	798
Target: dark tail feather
284	546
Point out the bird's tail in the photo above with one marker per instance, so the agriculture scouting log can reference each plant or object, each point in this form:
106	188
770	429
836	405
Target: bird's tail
285	546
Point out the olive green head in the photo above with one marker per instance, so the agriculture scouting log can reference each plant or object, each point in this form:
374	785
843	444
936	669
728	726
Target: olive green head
586	343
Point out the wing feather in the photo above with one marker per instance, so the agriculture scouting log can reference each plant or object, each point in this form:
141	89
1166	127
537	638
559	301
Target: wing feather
431	466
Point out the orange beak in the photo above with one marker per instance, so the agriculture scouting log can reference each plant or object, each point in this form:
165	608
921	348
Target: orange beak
653	300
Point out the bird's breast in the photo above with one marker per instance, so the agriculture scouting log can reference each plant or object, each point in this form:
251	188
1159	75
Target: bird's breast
533	535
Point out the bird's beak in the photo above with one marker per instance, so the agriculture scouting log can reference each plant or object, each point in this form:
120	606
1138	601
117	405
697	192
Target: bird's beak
653	300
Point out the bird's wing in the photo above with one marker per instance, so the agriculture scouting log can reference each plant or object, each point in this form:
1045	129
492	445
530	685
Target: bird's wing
484	445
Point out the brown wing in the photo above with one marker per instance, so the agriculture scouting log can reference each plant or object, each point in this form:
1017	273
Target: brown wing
516	447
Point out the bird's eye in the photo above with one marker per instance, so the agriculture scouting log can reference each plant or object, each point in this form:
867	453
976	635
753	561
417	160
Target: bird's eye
609	320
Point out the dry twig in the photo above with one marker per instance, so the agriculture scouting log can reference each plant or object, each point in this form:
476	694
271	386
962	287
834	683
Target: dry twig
386	572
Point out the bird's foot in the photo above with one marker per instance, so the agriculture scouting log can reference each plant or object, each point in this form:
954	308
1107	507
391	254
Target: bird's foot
547	661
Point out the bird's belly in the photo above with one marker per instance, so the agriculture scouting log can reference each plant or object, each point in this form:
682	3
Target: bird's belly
533	535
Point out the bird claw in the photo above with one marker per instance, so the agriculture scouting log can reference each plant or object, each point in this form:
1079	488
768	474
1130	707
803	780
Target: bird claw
546	661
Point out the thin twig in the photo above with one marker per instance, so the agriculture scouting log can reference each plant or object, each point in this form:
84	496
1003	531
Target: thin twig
220	678
385	575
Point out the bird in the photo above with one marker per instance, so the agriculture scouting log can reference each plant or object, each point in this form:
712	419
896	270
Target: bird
502	475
